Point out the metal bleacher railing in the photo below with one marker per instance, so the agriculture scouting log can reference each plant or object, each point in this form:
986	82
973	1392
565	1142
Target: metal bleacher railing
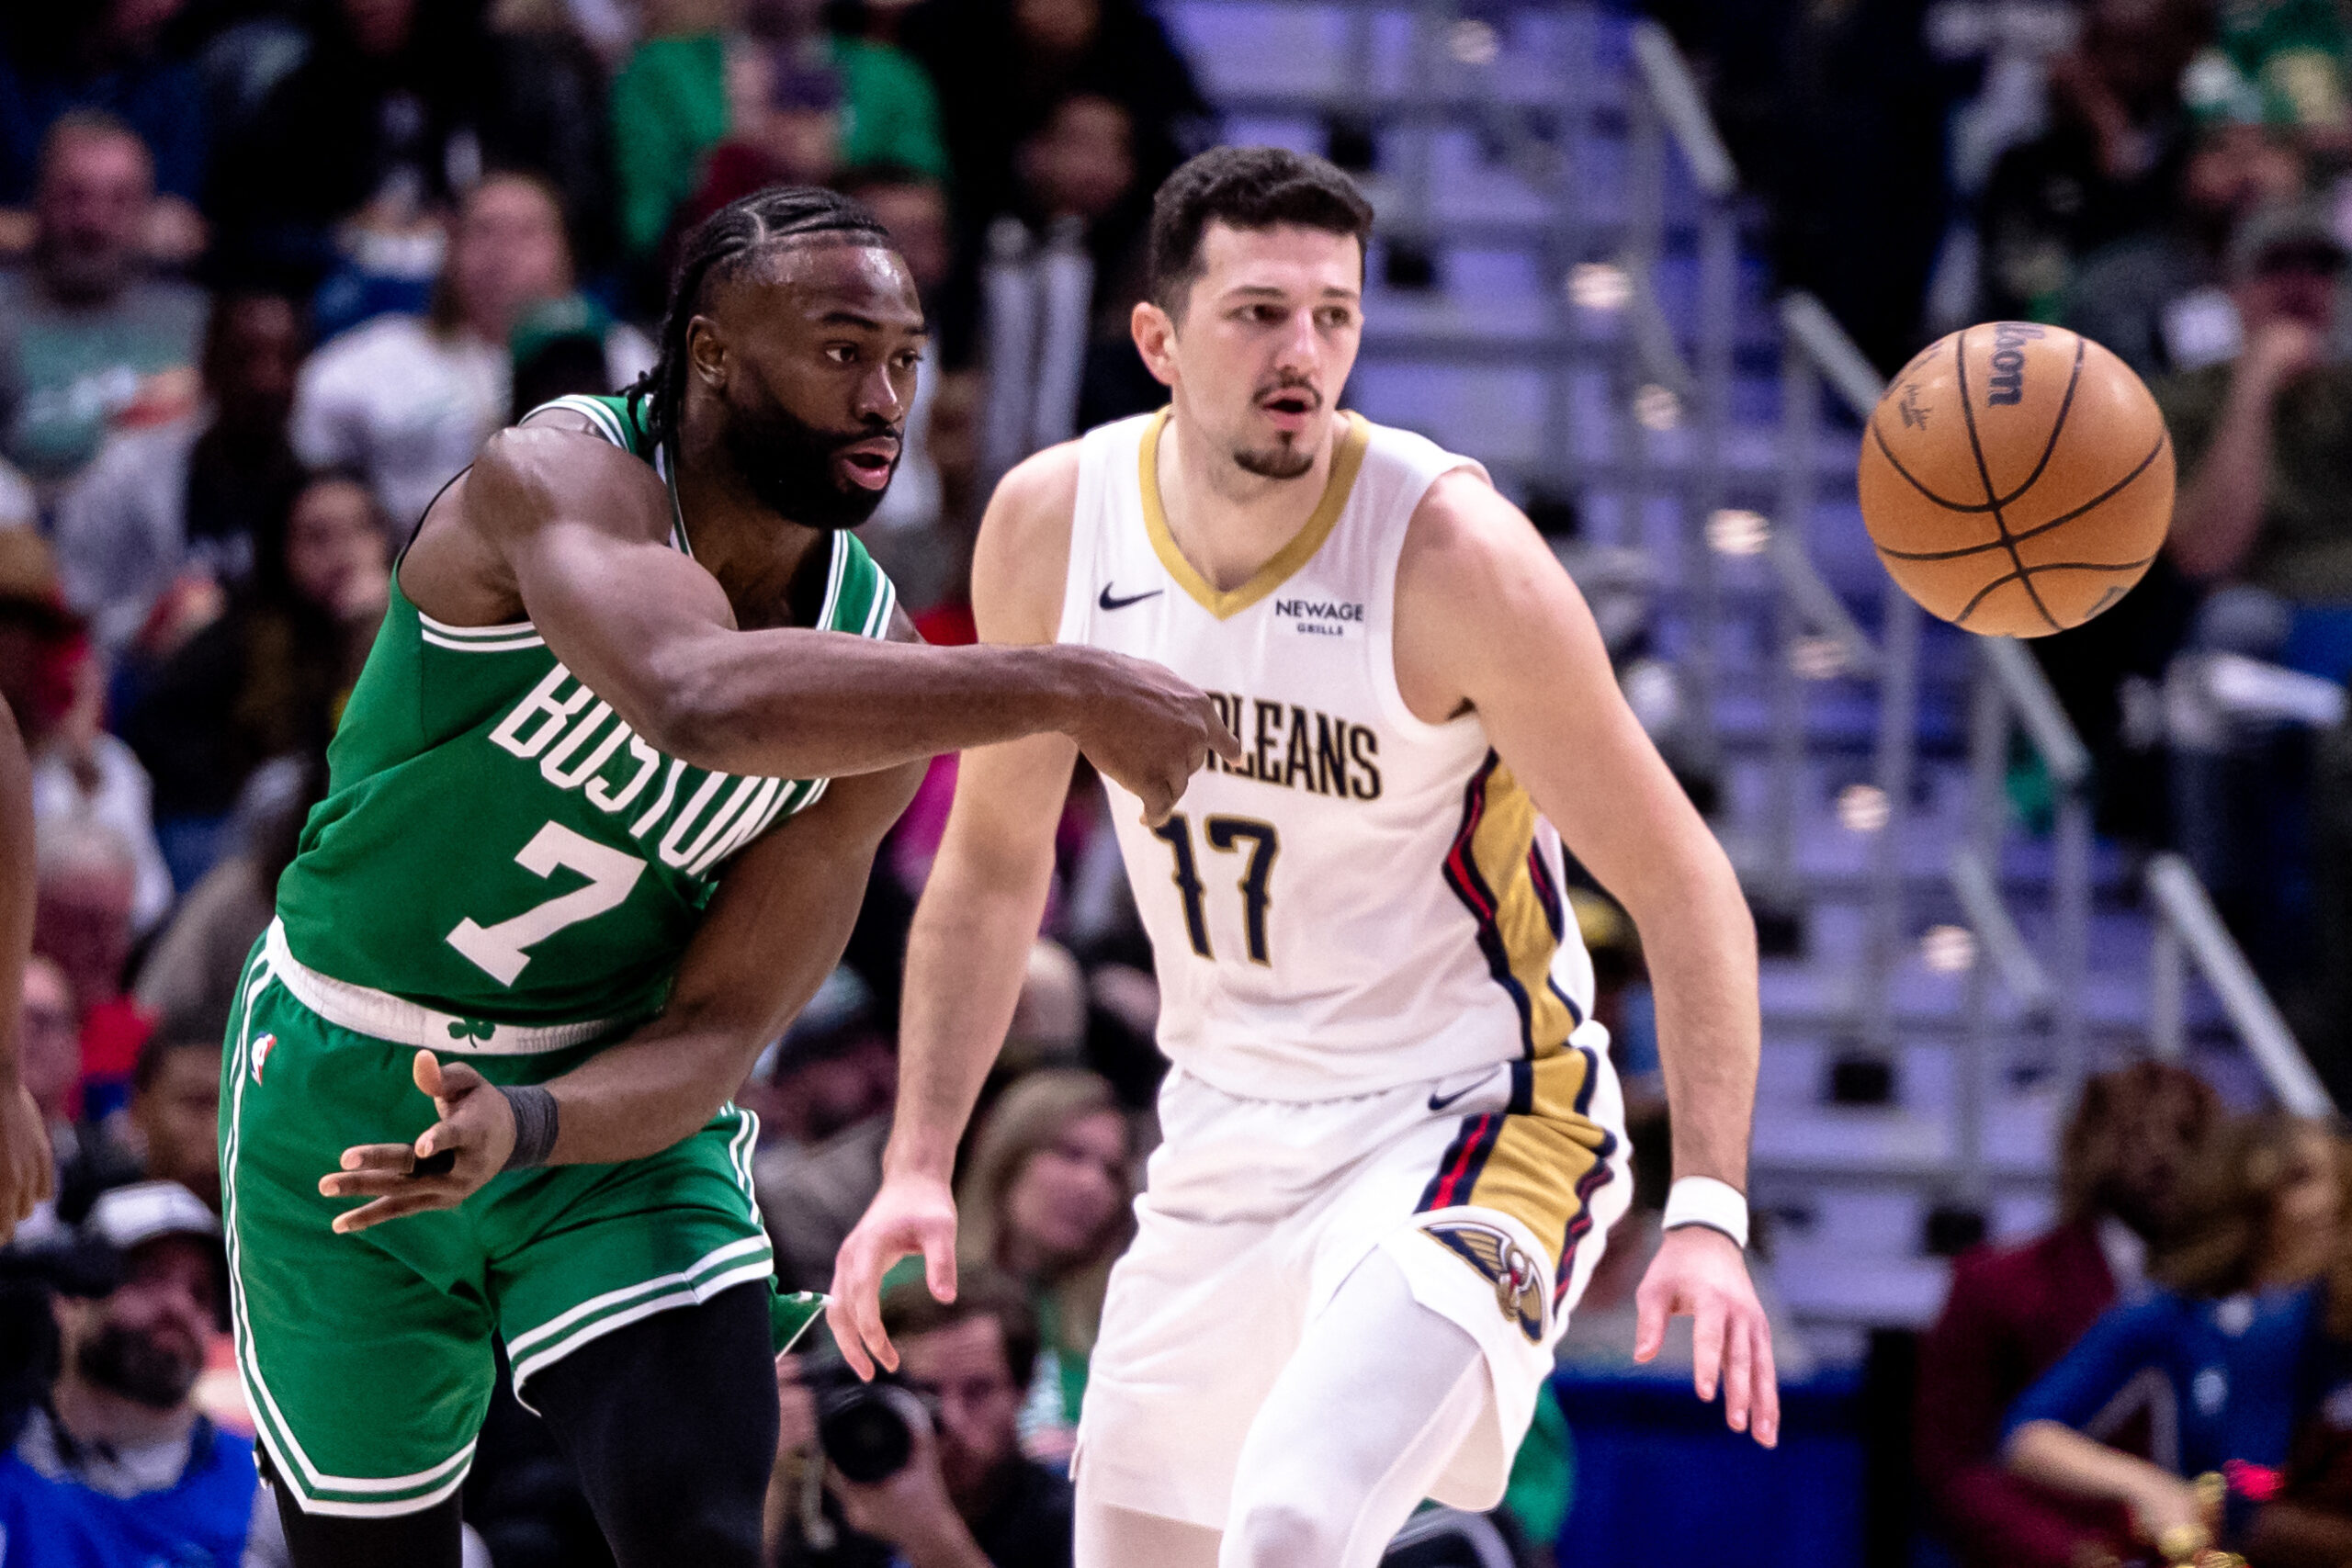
2010	697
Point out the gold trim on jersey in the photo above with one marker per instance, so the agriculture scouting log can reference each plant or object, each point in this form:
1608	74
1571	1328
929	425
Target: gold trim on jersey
1497	870
1346	457
1539	1160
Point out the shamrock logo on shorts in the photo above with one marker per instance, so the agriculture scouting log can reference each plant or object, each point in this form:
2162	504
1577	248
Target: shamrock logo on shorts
471	1029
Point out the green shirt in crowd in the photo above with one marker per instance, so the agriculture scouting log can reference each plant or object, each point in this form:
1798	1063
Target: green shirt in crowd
670	108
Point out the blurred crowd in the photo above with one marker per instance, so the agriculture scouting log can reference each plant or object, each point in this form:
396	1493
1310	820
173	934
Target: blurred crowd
2173	179
271	272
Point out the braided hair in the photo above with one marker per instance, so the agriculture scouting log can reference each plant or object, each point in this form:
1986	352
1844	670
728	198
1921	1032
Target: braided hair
721	246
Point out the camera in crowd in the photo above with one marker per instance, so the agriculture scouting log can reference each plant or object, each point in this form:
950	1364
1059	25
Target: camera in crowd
866	1429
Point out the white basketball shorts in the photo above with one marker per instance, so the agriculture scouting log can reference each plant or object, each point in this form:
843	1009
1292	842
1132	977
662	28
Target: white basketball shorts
1494	1191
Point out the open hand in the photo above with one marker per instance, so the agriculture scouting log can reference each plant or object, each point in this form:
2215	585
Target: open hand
476	1132
28	1175
910	1214
1699	1274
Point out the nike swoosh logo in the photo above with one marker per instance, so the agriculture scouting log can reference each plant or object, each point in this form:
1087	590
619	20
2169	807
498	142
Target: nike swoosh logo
1108	603
1440	1103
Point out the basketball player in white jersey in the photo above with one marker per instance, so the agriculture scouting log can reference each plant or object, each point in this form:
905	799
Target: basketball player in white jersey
1393	1143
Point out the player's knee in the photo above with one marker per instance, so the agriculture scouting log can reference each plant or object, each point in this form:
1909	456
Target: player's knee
716	1533
1287	1531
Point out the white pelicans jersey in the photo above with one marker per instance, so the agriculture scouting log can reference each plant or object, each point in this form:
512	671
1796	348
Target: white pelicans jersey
1367	899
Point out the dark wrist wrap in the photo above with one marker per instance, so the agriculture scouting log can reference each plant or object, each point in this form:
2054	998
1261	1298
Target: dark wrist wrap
535	1119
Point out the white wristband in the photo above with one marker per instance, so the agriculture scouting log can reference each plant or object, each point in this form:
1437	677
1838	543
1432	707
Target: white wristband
1703	1200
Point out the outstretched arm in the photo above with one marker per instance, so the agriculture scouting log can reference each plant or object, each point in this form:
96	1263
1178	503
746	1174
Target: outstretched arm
2044	1443
26	1173
973	928
1487	620
582	528
2164	1509
774	929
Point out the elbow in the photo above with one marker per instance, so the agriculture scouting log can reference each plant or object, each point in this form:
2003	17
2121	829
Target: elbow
682	722
690	712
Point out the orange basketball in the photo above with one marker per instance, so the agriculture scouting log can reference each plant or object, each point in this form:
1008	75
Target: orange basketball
2017	478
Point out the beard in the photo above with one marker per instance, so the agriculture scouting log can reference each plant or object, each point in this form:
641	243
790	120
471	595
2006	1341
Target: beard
138	1367
1285	458
789	464
1282	462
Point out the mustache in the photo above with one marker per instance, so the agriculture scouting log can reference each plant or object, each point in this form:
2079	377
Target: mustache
873	430
1291	383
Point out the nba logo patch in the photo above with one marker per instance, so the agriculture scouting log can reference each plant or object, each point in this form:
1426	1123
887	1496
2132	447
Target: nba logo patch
262	1048
1504	1264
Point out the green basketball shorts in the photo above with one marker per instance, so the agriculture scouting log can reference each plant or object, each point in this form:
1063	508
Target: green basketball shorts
367	1358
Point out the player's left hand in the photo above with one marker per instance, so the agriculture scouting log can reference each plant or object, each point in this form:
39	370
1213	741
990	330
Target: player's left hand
476	1130
1699	1274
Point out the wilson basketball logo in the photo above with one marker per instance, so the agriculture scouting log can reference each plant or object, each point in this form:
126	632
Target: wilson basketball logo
2016	479
2007	384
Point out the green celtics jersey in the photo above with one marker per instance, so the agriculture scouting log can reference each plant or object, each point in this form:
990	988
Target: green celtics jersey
496	845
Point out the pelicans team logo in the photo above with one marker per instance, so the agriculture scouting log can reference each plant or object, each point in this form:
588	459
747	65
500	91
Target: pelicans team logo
262	1048
1504	1264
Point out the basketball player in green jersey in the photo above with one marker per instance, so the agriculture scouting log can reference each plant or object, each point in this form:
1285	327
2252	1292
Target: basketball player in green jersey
600	816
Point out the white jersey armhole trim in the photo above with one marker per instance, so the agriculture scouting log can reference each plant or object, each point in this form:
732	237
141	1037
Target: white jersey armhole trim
1380	647
1089	517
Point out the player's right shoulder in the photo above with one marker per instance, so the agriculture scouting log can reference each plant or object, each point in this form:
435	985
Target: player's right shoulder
1023	552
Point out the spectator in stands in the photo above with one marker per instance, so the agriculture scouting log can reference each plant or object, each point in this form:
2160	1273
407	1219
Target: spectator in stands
2263	521
117	1465
966	1496
2158	299
49	1054
358	150
2015	1311
560	347
2309	1523
2266	466
269	677
2234	1343
176	509
784	129
1047	1197
1078	170
913	532
58	58
704	71
1002	69
546	111
171	1126
194	965
407	400
81	773
2284	60
88	342
83	921
2107	168
824	1114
